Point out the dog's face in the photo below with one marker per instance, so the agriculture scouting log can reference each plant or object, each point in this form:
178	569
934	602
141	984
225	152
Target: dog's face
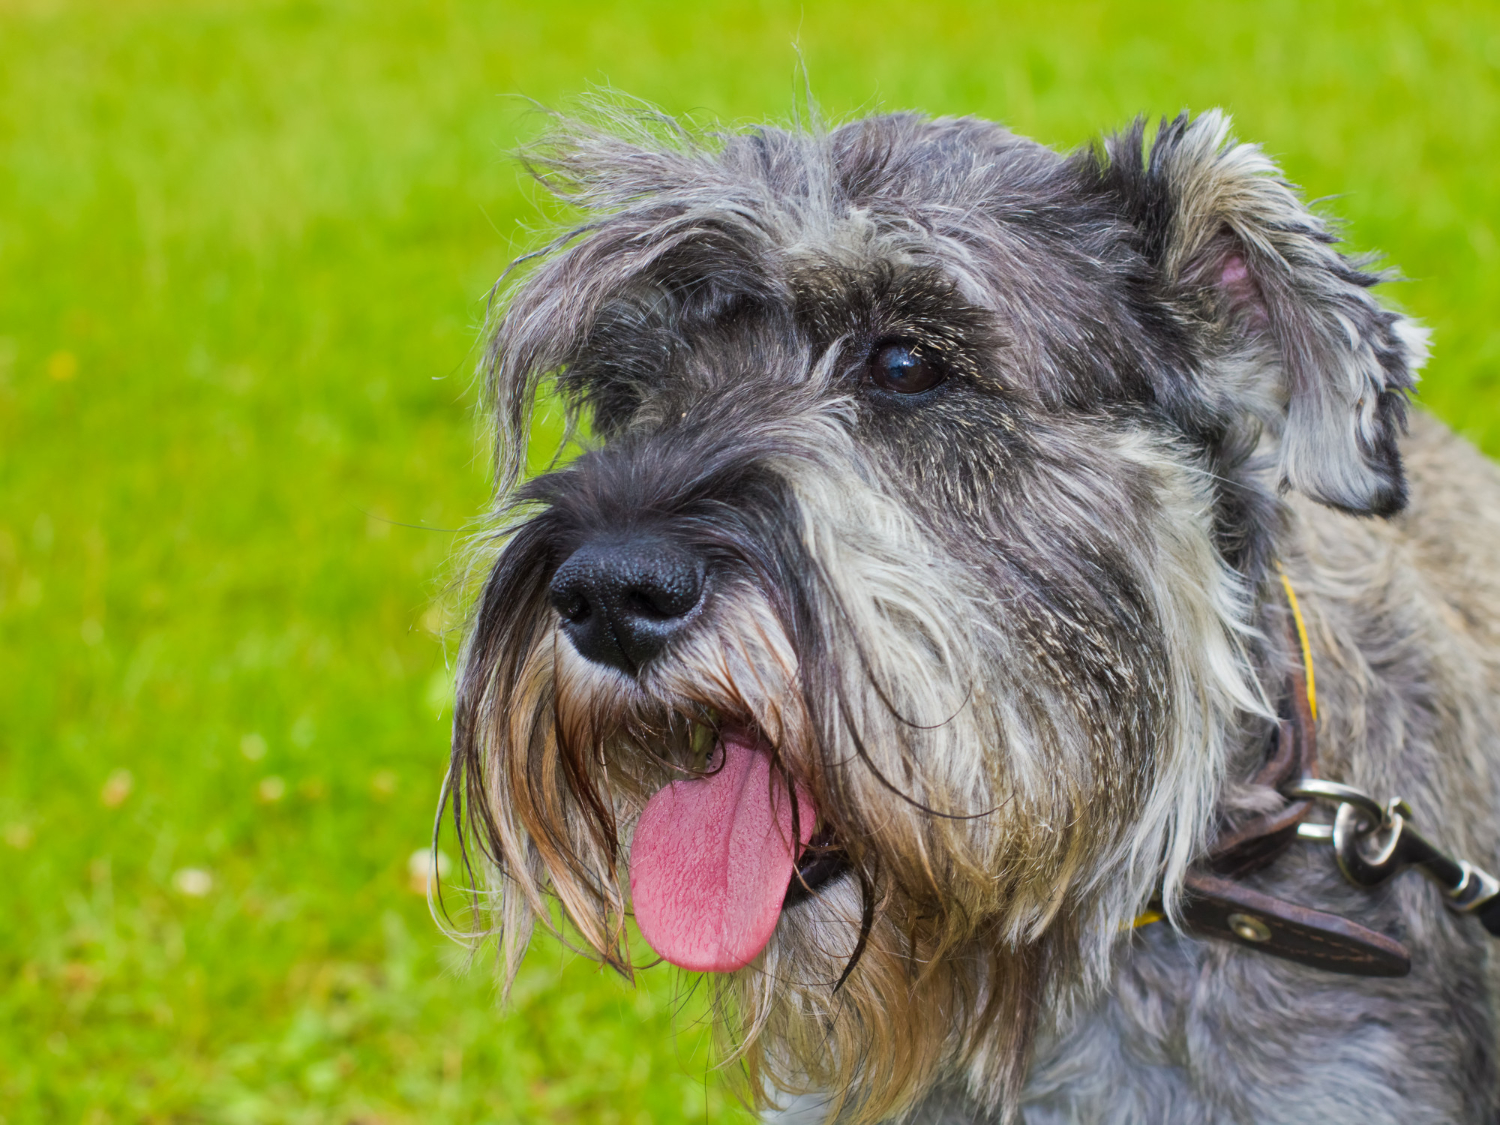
884	651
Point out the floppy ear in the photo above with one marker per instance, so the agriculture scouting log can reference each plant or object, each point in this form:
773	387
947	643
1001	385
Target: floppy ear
1233	245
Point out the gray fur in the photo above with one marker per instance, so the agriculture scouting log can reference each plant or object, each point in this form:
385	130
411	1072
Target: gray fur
1020	636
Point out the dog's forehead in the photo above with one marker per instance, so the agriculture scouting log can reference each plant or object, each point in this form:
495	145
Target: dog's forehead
696	260
993	213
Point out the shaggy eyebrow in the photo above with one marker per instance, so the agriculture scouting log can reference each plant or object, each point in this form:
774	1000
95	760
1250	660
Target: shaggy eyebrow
831	296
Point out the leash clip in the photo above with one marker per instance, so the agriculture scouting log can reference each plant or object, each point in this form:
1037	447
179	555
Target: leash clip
1372	842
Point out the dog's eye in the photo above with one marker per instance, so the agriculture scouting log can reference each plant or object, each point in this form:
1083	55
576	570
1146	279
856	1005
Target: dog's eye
897	366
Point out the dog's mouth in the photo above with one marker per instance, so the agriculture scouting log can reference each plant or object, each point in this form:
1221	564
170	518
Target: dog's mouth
821	862
712	863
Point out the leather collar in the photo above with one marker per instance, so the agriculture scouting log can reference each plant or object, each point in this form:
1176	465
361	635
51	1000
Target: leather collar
1217	905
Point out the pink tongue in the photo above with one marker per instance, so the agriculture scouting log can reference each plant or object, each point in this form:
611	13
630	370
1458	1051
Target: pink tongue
710	863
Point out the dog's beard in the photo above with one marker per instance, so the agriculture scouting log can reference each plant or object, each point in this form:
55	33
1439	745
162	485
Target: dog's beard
999	824
866	989
870	988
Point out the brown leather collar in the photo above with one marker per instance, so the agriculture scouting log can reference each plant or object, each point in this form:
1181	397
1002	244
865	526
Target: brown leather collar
1217	905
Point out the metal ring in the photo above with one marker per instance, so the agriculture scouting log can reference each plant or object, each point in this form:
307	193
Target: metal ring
1465	885
1366	853
1316	789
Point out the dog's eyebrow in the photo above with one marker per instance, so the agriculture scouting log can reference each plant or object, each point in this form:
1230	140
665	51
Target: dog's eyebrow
834	299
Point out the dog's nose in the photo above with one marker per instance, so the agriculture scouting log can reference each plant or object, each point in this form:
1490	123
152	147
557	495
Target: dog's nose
622	601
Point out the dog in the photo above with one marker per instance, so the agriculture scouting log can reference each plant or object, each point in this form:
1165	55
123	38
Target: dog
917	619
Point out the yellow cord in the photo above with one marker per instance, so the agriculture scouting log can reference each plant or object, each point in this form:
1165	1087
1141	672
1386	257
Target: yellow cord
1307	660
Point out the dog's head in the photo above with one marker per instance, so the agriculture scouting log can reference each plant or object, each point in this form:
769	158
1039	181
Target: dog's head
883	651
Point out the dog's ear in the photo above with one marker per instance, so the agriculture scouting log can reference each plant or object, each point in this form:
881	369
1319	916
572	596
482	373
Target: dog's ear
1233	246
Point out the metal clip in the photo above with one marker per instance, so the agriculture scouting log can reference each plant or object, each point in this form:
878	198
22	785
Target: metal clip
1372	842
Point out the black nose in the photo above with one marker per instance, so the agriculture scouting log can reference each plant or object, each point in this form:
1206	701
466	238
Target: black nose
622	600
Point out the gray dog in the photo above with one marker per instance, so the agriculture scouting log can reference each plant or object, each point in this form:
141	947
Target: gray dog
922	621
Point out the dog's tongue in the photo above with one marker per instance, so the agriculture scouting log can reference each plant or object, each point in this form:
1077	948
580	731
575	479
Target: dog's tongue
711	861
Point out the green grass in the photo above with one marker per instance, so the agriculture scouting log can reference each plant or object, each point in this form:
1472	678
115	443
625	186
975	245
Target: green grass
243	255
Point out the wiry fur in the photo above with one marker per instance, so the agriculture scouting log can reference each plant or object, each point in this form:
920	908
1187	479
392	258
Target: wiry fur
1014	637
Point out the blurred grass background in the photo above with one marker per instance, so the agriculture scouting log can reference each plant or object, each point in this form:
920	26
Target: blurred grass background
243	254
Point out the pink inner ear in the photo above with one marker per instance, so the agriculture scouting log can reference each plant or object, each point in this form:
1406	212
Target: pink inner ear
1234	273
1243	293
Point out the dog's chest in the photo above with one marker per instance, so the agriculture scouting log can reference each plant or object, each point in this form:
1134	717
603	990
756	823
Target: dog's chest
1200	1032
